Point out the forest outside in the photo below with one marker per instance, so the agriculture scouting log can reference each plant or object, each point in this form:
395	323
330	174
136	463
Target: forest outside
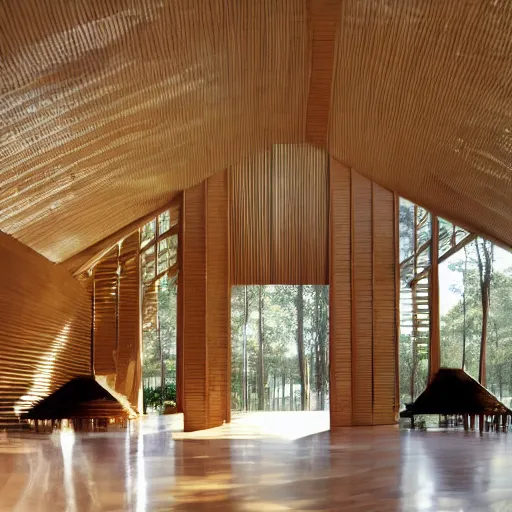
475	302
159	348
280	344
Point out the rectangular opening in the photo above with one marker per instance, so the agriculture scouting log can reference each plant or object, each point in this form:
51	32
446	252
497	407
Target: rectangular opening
273	329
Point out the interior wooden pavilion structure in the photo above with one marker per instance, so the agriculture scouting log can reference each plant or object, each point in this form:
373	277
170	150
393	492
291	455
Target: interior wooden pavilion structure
276	137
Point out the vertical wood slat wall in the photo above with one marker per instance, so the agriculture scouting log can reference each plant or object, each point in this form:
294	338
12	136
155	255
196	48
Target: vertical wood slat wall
206	304
363	307
218	298
180	373
105	313
45	334
195	354
340	296
279	206
129	360
116	333
362	299
385	308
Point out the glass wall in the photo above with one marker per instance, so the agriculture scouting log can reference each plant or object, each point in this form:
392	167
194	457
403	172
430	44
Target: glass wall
464	278
415	225
280	348
159	274
475	304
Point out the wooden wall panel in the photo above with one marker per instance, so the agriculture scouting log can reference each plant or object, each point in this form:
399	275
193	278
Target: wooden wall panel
363	307
362	298
180	371
105	314
218	299
128	361
45	333
206	304
300	209
250	189
195	356
384	307
287	230
279	217
340	306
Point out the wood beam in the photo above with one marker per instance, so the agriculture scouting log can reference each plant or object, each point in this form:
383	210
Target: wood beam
450	252
87	258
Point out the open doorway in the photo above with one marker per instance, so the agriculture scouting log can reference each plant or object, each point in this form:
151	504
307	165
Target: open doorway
280	348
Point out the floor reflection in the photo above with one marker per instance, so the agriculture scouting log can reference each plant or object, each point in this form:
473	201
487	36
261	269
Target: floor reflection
147	468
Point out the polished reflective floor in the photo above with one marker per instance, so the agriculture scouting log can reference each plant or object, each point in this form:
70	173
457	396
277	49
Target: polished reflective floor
376	468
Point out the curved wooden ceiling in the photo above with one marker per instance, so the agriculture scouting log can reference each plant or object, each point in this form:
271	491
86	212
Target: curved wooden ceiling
107	107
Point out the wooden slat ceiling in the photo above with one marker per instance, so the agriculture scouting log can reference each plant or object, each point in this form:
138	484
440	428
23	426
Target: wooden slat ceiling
108	107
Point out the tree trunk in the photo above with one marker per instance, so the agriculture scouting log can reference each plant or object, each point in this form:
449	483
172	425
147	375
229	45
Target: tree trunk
291	390
318	355
485	257
261	373
500	364
323	344
300	345
482	374
162	364
275	400
283	385
244	351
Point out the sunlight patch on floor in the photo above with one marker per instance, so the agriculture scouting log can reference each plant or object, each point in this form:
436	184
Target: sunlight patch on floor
263	425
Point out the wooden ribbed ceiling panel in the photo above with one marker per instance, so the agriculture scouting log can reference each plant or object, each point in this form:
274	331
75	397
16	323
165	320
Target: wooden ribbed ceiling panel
422	104
107	107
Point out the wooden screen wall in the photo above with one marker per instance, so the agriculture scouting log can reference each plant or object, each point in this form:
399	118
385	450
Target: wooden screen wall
45	333
128	361
206	304
363	309
279	202
116	339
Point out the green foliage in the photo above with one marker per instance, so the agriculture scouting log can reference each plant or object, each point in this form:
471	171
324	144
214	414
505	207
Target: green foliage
159	339
153	396
499	335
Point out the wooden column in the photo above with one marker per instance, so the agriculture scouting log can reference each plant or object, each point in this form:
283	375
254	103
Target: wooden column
128	360
105	314
435	337
218	299
340	304
385	306
179	318
363	301
195	389
206	309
